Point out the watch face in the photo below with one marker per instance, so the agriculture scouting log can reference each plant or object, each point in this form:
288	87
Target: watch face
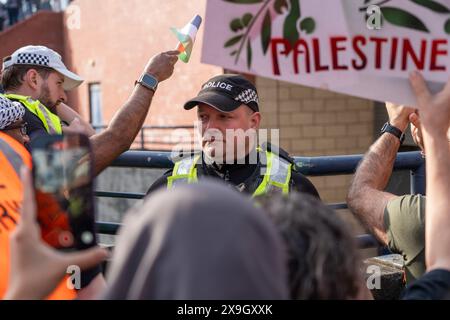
149	80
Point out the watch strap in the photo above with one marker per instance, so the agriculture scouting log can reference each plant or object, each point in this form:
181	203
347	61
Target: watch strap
148	81
394	131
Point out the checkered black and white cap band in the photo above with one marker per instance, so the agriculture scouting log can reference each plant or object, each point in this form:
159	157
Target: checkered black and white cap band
248	96
10	112
33	59
43	57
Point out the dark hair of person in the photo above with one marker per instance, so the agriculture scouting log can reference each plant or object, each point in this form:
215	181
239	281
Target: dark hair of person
323	258
13	77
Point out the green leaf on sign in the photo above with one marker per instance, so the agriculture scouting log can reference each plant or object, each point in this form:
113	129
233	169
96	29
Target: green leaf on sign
401	18
447	26
290	31
308	25
432	5
244	1
246	19
233	41
233	53
279	5
266	32
249	54
236	25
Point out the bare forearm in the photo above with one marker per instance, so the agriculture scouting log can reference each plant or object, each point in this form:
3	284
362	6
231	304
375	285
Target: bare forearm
122	130
438	203
67	114
127	122
366	198
376	167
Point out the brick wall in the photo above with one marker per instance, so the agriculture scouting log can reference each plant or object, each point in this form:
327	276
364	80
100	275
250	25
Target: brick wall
43	28
316	122
114	43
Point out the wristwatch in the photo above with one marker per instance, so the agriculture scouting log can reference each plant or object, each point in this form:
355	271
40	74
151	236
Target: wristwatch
148	81
393	130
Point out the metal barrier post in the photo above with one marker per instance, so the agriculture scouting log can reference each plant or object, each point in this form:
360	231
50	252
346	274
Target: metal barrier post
418	179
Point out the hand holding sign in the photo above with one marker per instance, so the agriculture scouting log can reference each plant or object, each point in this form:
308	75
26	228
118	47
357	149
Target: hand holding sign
399	115
296	41
432	105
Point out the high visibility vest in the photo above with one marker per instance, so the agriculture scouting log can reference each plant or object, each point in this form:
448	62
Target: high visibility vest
276	178
51	121
13	156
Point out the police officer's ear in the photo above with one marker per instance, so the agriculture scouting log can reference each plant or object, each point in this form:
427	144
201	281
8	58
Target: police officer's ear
32	79
255	120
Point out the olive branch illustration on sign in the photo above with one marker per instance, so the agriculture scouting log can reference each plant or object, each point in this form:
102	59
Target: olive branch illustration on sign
401	18
294	24
242	26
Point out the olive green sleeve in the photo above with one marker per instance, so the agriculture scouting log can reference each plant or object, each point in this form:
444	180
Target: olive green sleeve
404	220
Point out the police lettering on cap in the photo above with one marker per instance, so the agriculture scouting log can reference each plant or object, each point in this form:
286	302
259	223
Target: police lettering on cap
221	85
226	93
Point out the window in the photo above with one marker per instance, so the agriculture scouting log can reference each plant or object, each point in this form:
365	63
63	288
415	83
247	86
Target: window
95	105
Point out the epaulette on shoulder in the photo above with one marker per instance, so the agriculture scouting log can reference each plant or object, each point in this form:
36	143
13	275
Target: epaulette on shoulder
182	155
283	154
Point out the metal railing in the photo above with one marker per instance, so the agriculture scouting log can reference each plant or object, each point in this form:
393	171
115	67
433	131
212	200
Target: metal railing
157	137
309	166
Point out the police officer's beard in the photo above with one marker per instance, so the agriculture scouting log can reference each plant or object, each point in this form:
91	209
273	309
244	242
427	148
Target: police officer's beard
45	99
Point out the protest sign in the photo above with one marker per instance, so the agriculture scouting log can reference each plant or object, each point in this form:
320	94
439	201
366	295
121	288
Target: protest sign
365	48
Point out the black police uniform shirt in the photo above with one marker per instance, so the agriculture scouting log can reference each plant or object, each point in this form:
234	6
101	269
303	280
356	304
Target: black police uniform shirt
35	127
245	177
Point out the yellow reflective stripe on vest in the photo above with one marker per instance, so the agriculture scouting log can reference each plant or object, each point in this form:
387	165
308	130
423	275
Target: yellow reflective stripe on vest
184	171
51	122
276	178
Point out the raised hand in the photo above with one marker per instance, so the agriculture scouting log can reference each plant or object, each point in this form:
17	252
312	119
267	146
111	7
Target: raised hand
434	110
162	65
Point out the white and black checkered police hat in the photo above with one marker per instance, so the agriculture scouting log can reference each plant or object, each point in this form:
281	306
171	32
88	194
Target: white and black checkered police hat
10	112
43	57
226	93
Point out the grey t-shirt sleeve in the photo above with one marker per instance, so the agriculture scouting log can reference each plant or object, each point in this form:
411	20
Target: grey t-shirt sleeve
404	220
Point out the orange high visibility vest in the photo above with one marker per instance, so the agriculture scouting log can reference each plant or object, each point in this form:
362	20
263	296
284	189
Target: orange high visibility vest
13	156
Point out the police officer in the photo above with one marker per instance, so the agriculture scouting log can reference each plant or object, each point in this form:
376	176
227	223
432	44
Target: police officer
229	118
36	77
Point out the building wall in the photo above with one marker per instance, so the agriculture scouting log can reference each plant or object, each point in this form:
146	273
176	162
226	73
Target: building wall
44	28
315	122
115	40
